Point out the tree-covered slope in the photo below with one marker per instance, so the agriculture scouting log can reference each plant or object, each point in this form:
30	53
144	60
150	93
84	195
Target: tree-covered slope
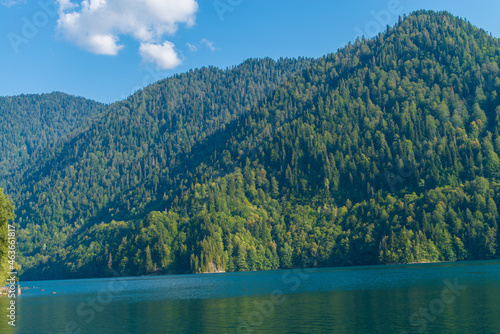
31	123
384	152
7	237
101	172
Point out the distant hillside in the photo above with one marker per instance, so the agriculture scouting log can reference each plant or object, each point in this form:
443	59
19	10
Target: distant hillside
31	123
384	152
135	143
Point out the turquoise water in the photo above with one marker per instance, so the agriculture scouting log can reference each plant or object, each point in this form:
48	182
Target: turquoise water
421	298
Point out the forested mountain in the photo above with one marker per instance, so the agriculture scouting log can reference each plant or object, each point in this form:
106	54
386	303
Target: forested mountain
384	152
102	173
31	123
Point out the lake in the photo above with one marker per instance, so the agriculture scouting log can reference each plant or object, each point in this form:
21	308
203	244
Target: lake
419	298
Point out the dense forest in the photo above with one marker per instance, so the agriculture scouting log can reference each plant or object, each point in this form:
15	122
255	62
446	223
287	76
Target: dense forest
6	216
383	152
31	123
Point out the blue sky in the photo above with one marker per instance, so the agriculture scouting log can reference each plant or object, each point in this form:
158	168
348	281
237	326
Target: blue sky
105	49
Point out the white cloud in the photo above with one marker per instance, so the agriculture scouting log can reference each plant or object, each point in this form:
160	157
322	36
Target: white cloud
208	44
163	55
96	25
10	3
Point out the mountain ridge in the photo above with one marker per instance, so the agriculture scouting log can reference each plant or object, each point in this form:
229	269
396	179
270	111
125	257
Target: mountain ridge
51	117
300	177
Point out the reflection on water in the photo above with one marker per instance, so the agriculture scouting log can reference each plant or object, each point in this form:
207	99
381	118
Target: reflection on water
430	298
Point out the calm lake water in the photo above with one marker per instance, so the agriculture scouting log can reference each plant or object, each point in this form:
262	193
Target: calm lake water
421	298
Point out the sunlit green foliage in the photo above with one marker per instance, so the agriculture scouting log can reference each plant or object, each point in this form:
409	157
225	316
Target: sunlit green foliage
384	152
6	218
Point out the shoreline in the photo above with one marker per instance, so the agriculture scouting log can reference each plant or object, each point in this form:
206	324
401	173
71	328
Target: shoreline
249	271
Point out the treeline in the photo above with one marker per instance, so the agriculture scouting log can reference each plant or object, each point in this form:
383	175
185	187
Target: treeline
239	227
384	152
